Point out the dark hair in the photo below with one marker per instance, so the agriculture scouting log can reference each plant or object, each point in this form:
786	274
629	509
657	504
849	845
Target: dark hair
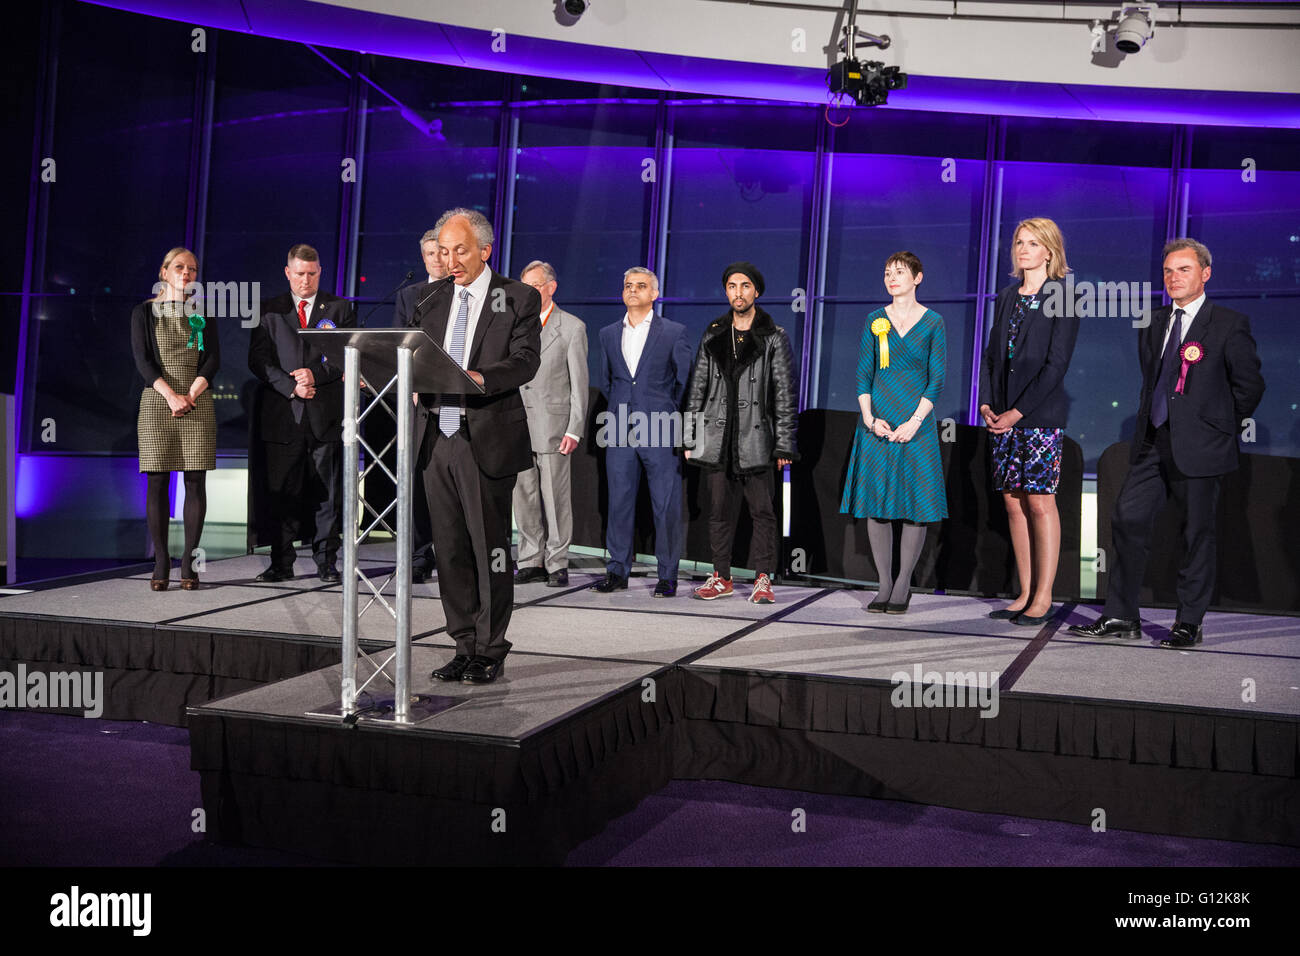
908	259
304	252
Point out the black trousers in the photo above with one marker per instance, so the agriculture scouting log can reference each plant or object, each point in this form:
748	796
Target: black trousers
725	496
305	469
1150	482
470	516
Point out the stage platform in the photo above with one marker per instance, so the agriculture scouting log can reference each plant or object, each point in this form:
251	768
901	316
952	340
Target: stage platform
605	698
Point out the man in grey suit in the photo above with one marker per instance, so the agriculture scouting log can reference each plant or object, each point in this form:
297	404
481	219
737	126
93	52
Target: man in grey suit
556	402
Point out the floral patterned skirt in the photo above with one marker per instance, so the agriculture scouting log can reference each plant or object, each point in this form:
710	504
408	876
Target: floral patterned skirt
1028	459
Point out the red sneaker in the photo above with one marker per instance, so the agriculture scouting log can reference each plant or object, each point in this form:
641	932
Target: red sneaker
714	587
763	591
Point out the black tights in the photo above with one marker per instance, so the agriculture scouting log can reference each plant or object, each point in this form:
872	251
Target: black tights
157	510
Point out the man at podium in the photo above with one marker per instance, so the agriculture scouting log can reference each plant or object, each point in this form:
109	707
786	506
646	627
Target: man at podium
476	444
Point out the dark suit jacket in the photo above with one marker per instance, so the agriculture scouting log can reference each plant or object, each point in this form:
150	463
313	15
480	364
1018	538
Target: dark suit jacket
506	351
275	349
1034	381
661	375
144	347
1220	390
408	297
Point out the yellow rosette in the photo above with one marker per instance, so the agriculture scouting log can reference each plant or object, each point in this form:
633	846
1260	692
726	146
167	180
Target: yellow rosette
880	329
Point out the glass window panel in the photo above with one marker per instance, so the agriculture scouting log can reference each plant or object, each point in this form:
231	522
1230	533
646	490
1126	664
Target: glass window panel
883	204
1252	229
710	126
1228	147
275	179
1273	324
733	204
122	127
1033	139
911	133
411	176
87	384
581	203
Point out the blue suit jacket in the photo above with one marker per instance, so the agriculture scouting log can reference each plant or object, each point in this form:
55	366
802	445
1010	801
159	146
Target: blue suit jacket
661	375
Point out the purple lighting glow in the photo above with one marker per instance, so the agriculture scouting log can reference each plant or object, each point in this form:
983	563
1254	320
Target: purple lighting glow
334	26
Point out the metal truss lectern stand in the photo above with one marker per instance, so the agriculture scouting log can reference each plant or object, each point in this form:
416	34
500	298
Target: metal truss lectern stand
408	360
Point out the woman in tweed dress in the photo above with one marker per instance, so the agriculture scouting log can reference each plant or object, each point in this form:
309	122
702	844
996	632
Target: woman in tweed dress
177	354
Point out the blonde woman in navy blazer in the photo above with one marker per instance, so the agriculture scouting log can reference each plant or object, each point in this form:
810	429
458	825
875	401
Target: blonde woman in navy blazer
1024	405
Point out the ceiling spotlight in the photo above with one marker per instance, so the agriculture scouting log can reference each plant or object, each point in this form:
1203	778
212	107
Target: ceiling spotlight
576	8
1136	24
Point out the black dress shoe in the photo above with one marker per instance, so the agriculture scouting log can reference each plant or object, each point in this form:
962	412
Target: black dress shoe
612	582
558	579
483	670
877	607
666	589
892	608
419	575
1025	620
454	669
1006	614
529	575
271	575
1109	627
1183	635
330	574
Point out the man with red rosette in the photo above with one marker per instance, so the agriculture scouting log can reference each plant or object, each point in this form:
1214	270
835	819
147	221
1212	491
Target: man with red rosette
1200	379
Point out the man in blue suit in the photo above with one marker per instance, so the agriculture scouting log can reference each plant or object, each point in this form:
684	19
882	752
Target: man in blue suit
644	363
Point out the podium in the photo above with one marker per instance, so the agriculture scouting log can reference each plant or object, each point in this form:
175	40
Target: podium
407	360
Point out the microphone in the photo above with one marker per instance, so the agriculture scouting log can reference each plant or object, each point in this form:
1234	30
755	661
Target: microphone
433	287
405	279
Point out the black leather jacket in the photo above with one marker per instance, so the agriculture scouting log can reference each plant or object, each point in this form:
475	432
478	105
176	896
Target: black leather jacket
761	379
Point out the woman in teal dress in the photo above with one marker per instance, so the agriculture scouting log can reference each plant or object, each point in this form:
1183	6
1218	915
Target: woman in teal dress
895	471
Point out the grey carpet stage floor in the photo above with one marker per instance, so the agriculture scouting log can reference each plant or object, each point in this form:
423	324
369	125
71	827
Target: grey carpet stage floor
810	631
624	692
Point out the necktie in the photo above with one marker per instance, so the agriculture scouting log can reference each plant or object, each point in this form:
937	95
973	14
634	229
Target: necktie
1168	363
302	313
449	414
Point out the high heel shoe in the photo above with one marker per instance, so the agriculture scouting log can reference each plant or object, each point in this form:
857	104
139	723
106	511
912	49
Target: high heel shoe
892	608
158	584
190	584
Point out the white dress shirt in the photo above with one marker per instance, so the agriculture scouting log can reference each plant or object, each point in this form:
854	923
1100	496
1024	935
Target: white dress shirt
478	290
1189	315
634	339
311	304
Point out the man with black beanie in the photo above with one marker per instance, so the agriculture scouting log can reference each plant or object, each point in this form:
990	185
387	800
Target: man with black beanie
740	426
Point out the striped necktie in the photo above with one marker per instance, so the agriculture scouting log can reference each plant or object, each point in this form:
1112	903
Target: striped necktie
449	415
